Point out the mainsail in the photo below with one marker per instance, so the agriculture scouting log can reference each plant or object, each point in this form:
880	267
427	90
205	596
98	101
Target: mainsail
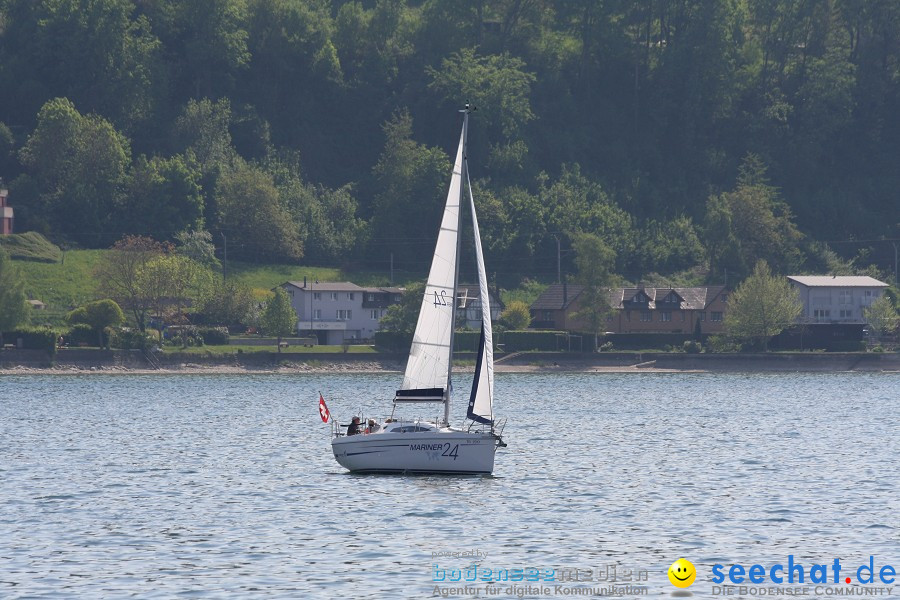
428	369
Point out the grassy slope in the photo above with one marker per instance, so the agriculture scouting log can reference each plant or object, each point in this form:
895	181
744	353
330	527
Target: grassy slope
63	285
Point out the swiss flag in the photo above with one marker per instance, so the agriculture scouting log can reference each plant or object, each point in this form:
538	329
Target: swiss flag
323	409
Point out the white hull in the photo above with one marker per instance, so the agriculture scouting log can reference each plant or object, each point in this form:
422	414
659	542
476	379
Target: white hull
435	451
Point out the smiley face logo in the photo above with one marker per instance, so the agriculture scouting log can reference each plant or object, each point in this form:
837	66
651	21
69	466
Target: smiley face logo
682	573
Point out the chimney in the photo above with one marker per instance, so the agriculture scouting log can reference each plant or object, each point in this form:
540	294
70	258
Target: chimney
304	282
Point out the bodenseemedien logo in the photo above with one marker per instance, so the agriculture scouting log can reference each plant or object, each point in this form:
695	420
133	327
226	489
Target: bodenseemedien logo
682	573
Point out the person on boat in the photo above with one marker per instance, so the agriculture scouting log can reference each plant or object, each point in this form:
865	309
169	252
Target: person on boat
373	427
353	428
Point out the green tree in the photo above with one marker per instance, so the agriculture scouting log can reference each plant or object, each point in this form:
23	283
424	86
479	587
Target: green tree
595	261
516	315
121	274
882	316
402	317
498	85
279	318
13	307
231	304
98	315
202	128
91	51
78	169
197	245
163	198
755	219
411	186
251	215
170	283
763	306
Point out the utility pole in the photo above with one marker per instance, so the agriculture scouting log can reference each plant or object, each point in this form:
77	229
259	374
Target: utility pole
224	257
896	281
558	268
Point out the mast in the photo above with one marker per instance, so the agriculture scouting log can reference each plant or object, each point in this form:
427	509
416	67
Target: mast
465	174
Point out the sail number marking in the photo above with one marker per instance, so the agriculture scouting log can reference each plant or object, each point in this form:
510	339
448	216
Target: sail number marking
440	298
446	449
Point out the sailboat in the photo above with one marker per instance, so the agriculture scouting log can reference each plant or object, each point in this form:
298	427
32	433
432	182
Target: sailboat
434	446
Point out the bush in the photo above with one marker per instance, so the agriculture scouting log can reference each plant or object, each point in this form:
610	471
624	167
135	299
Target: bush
720	344
33	339
216	336
81	334
392	341
692	347
131	339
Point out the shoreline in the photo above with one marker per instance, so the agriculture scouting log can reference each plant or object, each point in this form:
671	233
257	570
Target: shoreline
777	365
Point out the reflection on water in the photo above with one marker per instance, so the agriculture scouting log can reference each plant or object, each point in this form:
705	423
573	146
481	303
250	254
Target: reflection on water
225	485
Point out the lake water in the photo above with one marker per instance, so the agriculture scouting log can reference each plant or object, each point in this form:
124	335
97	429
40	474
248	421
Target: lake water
224	486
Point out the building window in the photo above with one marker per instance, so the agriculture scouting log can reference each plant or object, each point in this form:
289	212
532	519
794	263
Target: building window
349	295
665	316
317	314
716	316
334	295
317	295
702	316
548	316
397	297
845	297
646	316
291	293
344	315
371	297
374	314
682	316
821	313
724	297
846	314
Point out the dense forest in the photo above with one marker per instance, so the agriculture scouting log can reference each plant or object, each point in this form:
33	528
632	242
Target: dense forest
694	137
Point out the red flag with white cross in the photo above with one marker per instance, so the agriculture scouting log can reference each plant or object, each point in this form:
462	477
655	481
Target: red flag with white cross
323	409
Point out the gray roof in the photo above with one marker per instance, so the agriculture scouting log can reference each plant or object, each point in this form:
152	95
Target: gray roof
384	290
837	281
552	297
326	286
694	298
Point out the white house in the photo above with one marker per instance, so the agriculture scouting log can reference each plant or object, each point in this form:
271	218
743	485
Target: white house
339	311
836	298
468	306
